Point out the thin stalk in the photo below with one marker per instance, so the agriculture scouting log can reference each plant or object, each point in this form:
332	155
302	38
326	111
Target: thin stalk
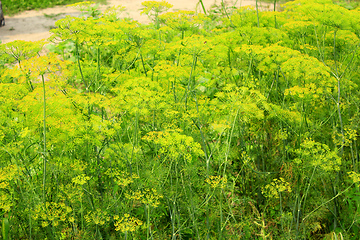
230	137
281	213
341	128
191	208
157	23
257	14
30	230
172	218
136	129
193	66
226	13
207	157
5	228
356	157
229	57
98	75
148	230
297	211
334	52
79	65
207	214
174	89
221	215
352	156
44	139
317	208
82	214
318	45
176	194
306	192
143	64
275	14
339	99
202	5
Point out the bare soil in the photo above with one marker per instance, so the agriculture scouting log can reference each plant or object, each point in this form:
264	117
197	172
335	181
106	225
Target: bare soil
35	24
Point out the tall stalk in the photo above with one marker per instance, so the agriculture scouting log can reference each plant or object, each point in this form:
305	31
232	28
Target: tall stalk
44	139
226	13
202	5
257	14
190	83
221	215
98	72
79	65
339	97
275	14
341	129
148	229
207	157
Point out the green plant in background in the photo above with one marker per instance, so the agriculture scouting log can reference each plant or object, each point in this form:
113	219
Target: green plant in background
153	8
11	7
236	124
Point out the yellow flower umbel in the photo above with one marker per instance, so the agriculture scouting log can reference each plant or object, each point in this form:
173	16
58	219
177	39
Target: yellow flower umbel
149	197
127	223
81	179
97	217
175	145
277	186
216	181
355	177
7	175
120	177
154	8
54	213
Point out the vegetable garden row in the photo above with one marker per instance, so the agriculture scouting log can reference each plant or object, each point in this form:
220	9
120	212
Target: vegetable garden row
235	124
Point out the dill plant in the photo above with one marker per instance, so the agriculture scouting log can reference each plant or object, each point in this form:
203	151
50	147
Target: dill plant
185	128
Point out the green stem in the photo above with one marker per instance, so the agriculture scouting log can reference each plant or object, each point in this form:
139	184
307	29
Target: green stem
82	214
148	231
317	208
78	60
221	215
226	13
143	64
98	75
257	14
44	139
281	212
275	14
202	5
207	157
190	83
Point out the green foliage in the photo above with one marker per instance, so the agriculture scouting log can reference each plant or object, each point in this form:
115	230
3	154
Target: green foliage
195	126
14	6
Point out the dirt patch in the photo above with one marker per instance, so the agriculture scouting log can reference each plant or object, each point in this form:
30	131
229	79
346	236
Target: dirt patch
35	25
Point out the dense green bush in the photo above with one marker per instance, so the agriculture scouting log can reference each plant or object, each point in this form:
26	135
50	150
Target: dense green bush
349	4
14	6
237	124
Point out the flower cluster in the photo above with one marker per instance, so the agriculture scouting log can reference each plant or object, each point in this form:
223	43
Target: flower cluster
97	217
217	181
277	186
53	213
174	145
148	196
127	223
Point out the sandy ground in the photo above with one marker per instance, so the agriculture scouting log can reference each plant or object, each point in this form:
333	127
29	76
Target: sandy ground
35	25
